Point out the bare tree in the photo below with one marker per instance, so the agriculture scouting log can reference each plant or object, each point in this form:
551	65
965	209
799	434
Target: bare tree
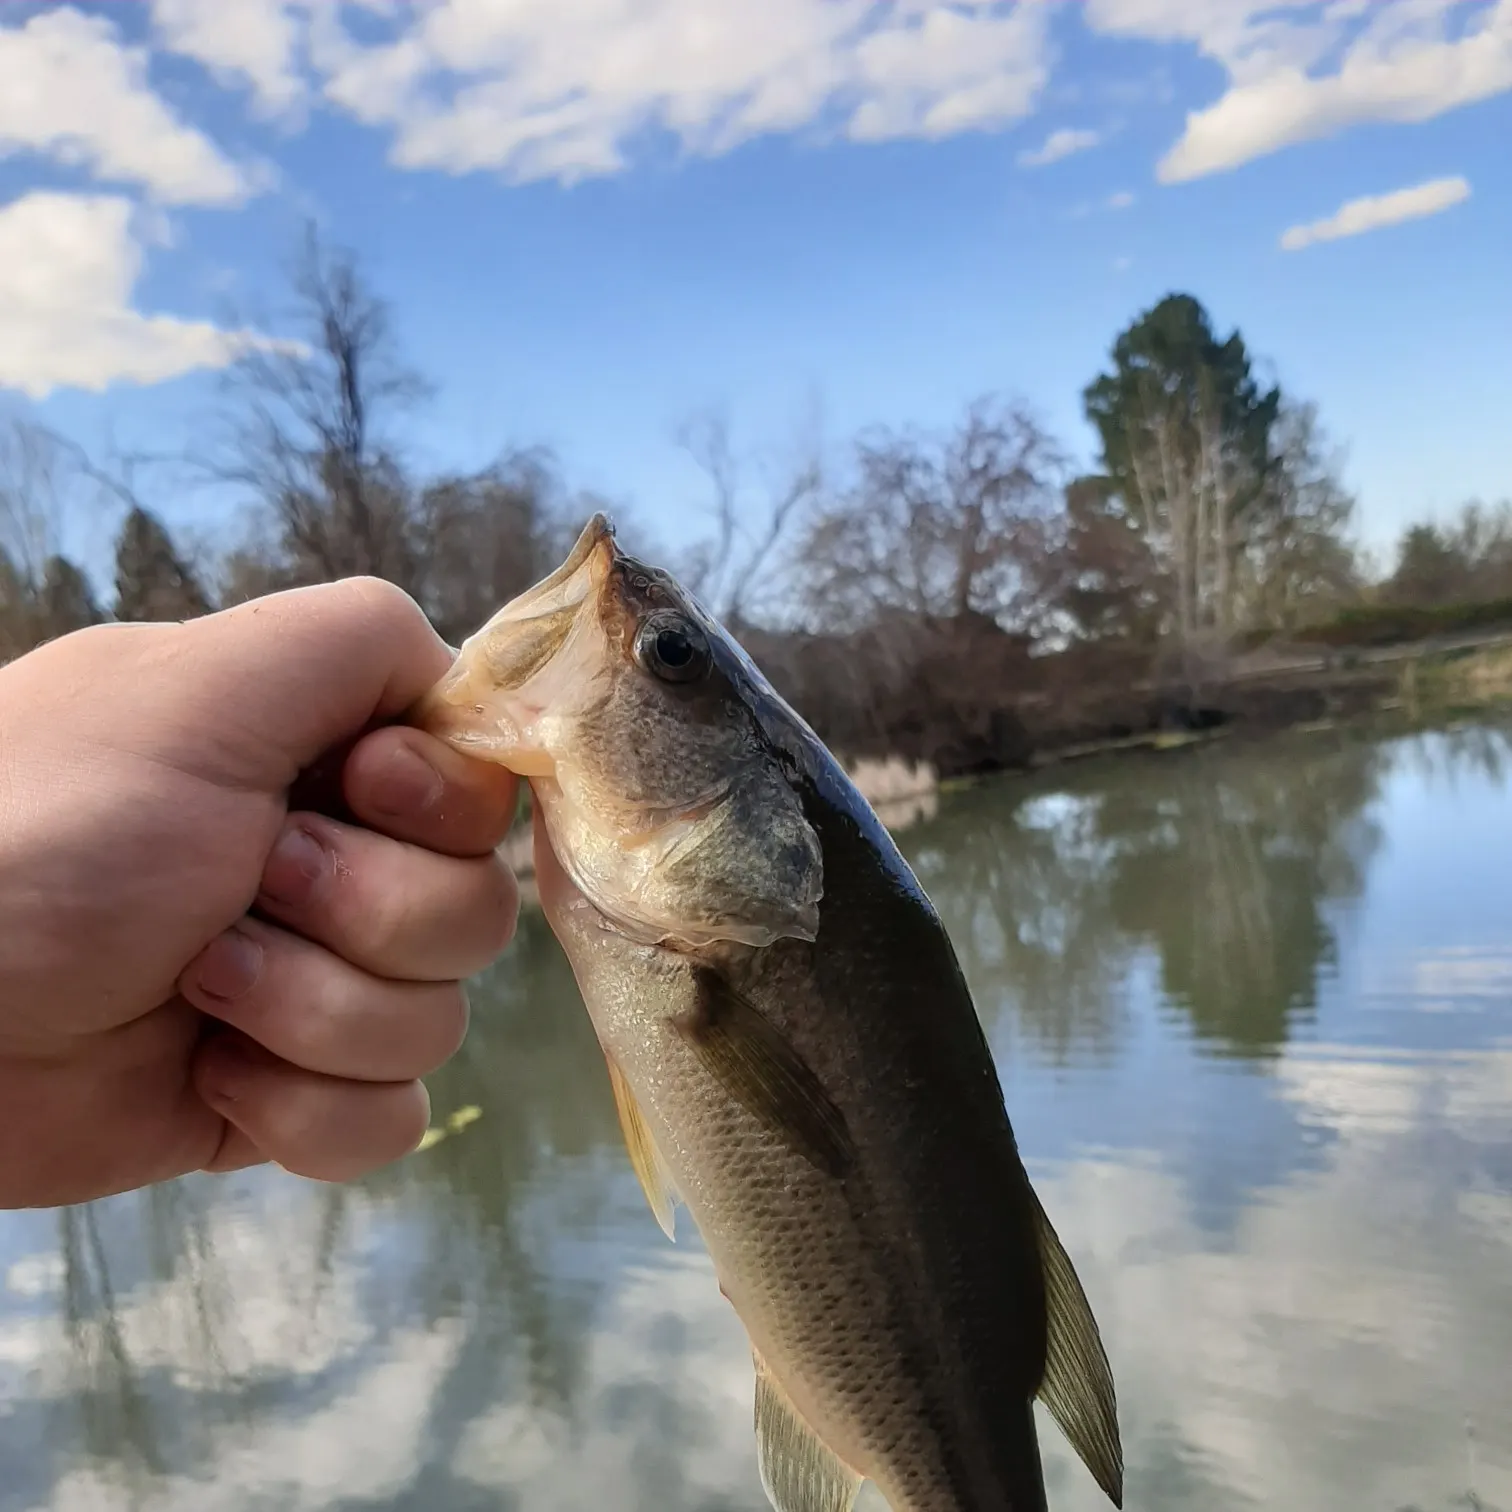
42	491
37	492
485	537
310	428
1296	560
943	526
734	570
1466	557
1099	578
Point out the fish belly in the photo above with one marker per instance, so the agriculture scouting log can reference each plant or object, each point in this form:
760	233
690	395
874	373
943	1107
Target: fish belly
805	1261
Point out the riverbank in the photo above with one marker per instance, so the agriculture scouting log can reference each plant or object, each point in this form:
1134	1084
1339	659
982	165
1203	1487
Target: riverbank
1258	698
1261	697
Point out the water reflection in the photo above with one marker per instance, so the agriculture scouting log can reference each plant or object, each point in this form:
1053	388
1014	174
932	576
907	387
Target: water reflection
1222	864
1254	1015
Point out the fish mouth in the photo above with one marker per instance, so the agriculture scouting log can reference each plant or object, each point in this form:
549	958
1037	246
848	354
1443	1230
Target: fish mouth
595	547
470	707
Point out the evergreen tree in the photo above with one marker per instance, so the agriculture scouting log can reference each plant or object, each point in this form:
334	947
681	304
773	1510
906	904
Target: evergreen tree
67	601
1186	431
152	581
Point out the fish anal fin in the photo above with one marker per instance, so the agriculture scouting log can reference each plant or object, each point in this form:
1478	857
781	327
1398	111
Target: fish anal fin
759	1069
650	1169
1078	1384
798	1472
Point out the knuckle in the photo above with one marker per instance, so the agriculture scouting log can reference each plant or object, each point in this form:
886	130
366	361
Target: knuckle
328	1133
309	1020
387	602
422	1033
377	925
296	1116
410	1120
447	1024
500	905
447	914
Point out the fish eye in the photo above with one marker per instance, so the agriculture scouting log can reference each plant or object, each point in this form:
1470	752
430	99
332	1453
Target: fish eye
672	648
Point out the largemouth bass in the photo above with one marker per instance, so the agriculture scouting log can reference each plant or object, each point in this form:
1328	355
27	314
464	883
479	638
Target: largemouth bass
792	1047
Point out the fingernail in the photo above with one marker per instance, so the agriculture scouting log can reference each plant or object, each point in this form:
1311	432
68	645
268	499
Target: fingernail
406	784
229	966
295	868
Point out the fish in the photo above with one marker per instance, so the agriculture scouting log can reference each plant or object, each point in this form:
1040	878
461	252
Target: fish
791	1046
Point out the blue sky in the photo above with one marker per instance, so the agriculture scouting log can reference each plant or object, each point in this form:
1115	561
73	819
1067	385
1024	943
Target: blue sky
594	217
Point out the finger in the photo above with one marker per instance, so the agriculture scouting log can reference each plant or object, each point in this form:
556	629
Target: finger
313	1125
276	682
317	1011
409	785
392	909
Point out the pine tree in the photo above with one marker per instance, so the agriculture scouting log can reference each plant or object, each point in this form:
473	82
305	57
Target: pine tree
67	601
152	581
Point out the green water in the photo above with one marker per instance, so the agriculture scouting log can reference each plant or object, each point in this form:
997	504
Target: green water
1253	1014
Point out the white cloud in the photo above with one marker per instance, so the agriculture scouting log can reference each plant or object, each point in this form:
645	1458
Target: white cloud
1301	77
68	264
1121	200
1059	144
253	41
35	1276
556	90
71	91
1372	211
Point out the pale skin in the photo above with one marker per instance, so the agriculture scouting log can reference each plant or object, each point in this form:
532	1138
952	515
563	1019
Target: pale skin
237	904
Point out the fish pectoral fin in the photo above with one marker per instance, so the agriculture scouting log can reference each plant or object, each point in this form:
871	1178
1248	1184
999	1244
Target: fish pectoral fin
764	1073
798	1473
650	1169
1078	1384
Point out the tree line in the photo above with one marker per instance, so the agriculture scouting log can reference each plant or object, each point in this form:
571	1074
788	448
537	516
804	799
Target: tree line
917	592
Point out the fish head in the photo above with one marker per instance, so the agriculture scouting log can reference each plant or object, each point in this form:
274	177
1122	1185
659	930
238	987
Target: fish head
638	722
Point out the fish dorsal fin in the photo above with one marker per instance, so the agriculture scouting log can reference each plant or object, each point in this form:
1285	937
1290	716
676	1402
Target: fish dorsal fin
650	1169
798	1473
763	1072
1078	1384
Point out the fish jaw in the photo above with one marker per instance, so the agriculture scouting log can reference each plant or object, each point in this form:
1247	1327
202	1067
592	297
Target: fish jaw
502	699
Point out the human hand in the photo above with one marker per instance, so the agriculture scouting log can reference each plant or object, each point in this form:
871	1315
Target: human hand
202	967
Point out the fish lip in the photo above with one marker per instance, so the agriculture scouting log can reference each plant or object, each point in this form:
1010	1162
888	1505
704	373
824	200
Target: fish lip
595	547
600	528
448	707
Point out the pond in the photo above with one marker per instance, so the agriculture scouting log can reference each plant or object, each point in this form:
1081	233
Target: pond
1252	1009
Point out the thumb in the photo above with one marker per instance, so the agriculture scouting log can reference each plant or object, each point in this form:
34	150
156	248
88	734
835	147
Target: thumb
278	681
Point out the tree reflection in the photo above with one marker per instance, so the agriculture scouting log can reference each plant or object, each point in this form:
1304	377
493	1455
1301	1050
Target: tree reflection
1022	883
1228	874
1475	751
1223	864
